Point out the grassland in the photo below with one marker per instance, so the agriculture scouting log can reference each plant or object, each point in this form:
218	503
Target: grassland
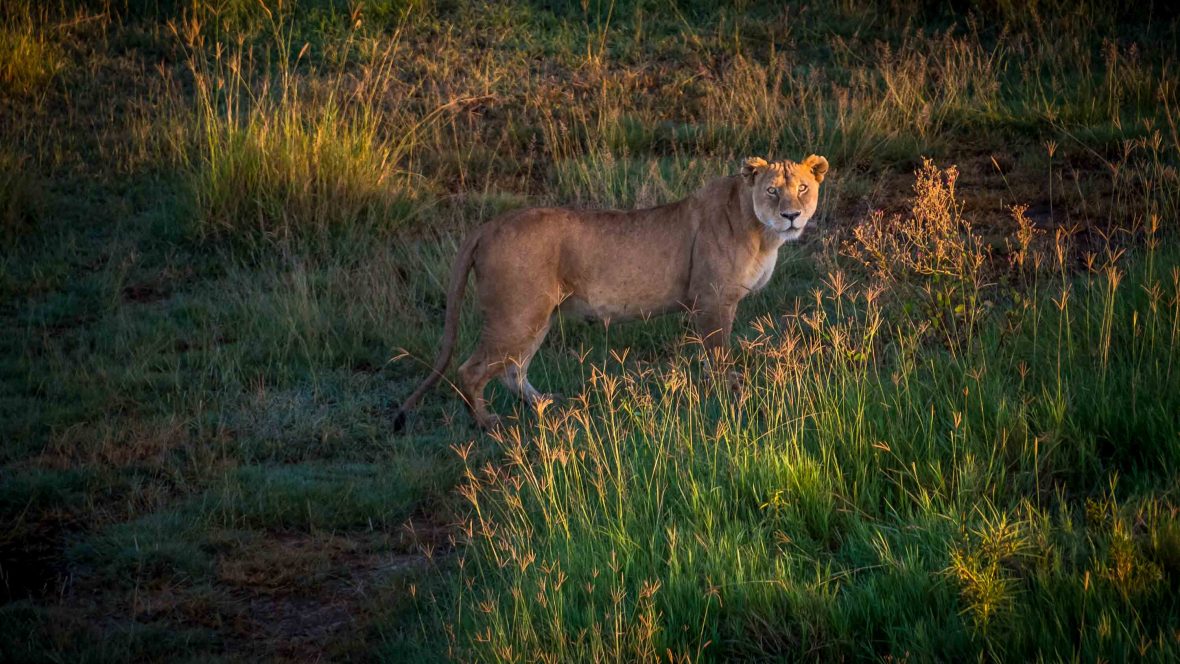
226	228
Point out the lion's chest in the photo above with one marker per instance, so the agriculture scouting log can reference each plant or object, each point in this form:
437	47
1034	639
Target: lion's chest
760	270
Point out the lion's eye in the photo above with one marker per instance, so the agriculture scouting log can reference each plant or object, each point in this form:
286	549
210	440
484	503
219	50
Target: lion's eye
773	191
802	189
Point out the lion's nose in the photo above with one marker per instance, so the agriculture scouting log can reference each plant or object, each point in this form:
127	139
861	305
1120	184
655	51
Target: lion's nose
790	216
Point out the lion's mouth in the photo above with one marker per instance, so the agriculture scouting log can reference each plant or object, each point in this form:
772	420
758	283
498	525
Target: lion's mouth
790	230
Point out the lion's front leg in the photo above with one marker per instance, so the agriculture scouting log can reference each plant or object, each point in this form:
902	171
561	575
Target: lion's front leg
714	323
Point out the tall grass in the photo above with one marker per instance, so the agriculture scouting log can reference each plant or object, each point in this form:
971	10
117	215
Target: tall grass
868	494
29	57
282	155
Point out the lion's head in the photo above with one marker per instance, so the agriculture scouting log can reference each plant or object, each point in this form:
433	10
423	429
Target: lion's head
785	193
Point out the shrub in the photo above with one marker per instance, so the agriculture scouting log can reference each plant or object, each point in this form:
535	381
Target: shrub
930	256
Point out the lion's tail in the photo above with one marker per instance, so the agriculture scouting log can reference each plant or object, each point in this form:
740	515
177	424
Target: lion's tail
458	285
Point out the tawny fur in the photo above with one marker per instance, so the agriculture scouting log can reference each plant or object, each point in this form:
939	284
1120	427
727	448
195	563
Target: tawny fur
702	254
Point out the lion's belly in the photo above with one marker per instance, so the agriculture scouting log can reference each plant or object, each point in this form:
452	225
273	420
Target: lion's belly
626	277
615	310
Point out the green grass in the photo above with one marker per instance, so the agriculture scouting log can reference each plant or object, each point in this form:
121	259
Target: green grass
222	222
866	496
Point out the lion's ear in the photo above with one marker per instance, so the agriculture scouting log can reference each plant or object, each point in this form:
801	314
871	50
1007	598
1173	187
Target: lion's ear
752	167
818	166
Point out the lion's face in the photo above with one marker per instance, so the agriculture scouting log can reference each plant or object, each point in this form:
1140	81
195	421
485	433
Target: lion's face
785	193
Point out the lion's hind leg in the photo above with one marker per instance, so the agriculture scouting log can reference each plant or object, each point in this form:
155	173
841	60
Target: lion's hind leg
516	374
474	375
505	350
516	379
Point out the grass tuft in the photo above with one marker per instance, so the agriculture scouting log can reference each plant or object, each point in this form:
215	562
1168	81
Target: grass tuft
29	59
276	162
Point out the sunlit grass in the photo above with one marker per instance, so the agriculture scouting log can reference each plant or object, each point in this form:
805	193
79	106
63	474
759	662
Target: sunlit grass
275	159
29	59
866	494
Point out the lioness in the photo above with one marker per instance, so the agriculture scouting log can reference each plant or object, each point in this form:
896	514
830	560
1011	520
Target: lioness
702	254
